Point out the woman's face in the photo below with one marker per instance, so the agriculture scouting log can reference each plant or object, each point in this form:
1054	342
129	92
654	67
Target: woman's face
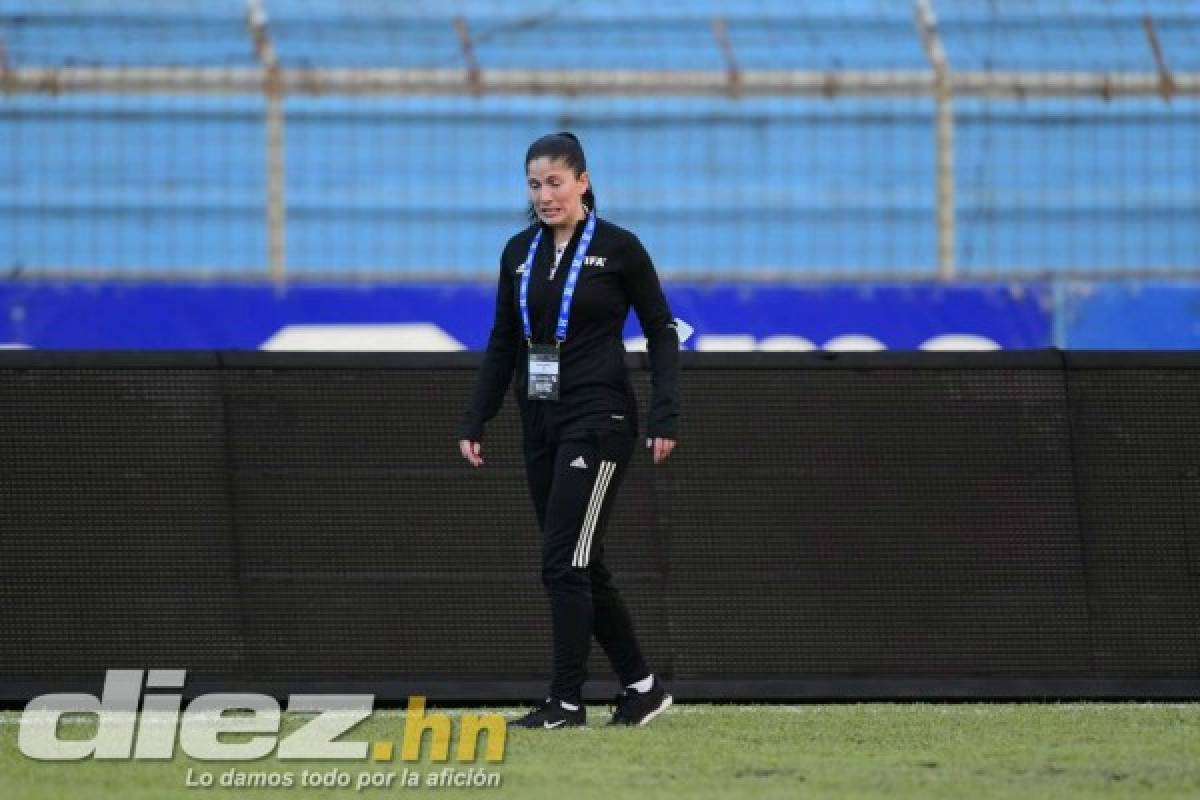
556	194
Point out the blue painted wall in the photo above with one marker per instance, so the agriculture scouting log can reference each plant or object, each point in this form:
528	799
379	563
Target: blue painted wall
1066	314
724	316
1129	316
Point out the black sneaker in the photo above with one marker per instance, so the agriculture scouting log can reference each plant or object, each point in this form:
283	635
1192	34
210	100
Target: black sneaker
640	708
551	714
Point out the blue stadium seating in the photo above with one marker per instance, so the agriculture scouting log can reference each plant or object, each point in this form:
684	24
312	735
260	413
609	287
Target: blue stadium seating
416	186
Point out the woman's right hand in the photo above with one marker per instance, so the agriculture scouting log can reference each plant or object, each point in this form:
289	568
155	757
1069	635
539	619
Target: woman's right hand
471	452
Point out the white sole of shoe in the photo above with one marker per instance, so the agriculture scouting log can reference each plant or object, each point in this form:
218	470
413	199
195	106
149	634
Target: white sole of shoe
666	703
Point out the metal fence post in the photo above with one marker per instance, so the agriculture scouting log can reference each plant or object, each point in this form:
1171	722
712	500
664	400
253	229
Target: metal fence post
276	197
943	97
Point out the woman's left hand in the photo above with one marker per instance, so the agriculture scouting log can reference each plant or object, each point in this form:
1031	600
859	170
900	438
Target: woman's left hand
661	448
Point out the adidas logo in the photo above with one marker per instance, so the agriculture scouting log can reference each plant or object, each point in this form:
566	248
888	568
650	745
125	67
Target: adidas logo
594	261
579	463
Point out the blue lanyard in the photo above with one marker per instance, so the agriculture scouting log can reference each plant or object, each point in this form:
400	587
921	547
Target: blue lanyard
564	311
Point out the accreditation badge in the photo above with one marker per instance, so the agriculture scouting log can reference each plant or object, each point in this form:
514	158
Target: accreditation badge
543	372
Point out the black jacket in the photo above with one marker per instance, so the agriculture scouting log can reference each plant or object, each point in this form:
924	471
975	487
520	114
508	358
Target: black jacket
594	384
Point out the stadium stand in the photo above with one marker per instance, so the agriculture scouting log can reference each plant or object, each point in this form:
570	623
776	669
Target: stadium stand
406	187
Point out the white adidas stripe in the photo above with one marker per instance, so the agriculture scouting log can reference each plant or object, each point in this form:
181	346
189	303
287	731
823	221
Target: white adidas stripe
587	550
591	506
589	526
583	546
577	560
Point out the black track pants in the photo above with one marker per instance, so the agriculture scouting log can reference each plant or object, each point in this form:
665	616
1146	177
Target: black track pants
574	483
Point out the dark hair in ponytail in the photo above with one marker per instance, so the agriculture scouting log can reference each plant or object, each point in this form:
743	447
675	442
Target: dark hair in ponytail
563	146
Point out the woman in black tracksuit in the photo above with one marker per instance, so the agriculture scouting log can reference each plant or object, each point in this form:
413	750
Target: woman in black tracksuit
566	285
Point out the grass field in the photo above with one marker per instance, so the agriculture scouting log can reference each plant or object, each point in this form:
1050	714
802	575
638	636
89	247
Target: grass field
974	751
